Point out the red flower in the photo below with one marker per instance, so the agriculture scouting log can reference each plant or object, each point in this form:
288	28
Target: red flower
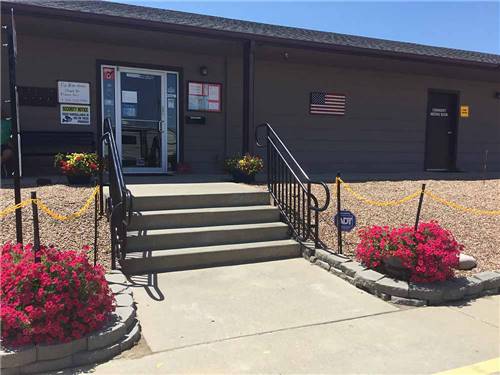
429	253
59	299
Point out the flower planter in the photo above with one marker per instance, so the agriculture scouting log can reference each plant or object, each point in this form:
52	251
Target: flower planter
79	179
242	177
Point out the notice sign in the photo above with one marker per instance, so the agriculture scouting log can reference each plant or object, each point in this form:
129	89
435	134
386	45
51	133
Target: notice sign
204	96
439	112
464	111
73	92
75	114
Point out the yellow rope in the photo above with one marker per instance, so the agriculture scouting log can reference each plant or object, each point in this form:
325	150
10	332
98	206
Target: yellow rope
376	202
459	207
50	212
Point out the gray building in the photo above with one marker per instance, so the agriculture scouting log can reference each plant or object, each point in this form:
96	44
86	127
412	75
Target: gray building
185	91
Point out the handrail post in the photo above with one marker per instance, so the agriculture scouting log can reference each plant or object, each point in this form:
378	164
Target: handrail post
36	227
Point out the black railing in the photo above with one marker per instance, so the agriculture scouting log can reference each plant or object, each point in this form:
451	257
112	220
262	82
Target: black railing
290	189
119	201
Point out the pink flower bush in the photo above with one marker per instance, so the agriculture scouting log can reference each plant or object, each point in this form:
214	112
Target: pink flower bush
59	299
429	253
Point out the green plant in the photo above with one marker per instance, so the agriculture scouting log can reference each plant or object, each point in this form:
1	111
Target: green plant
249	165
77	163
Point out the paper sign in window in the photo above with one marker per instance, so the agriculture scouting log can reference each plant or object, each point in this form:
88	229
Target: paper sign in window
129	96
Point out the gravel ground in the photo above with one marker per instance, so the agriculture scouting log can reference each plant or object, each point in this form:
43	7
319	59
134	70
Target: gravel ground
71	235
479	233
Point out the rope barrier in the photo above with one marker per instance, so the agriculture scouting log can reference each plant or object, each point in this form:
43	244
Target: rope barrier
459	207
49	211
376	202
414	195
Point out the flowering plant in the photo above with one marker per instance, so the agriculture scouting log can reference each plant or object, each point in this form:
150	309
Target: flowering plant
428	254
248	165
58	299
77	163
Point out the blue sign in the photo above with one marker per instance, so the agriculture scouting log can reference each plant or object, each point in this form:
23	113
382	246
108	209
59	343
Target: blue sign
347	220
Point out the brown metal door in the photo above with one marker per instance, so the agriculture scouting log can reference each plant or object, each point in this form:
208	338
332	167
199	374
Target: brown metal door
442	116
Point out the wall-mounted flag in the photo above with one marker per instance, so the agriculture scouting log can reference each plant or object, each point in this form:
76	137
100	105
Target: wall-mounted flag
322	103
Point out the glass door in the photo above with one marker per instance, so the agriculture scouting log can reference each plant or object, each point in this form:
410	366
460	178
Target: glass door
141	119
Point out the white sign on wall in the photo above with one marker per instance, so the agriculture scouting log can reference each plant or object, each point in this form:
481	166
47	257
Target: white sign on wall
75	114
73	92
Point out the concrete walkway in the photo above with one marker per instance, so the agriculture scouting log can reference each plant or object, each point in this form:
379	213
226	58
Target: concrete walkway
291	317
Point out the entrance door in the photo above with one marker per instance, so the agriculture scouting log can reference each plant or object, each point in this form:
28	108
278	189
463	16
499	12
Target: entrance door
441	134
143	106
141	120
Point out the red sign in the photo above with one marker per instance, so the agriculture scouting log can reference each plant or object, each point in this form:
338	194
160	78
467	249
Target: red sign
108	74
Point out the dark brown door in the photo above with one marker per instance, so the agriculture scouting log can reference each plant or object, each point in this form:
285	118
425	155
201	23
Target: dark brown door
442	116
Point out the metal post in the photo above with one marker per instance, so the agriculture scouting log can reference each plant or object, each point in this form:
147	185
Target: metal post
36	227
339	226
95	227
12	51
419	209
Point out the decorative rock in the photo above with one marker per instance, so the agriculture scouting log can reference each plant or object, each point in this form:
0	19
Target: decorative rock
48	352
407	301
474	287
342	275
322	264
466	262
489	279
454	289
15	358
94	356
126	315
46	366
120	289
393	287
312	259
132	337
106	337
116	277
11	371
384	296
351	268
366	279
124	300
426	291
332	259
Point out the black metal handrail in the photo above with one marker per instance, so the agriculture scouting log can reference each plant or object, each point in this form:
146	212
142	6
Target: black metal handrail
119	202
290	188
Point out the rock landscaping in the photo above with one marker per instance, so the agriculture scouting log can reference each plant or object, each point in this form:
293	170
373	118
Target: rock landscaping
406	292
121	333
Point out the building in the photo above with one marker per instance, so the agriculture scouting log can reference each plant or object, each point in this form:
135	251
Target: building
187	88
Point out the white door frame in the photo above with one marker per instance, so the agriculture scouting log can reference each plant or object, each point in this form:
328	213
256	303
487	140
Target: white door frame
164	124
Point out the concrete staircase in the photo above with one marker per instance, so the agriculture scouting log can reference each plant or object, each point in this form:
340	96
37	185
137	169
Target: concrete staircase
185	226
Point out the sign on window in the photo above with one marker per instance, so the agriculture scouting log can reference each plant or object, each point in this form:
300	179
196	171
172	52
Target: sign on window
73	92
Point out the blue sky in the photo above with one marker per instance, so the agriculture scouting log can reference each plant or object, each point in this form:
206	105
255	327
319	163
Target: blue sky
469	25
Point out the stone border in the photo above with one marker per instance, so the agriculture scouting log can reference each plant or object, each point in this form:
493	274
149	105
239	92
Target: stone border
121	333
403	292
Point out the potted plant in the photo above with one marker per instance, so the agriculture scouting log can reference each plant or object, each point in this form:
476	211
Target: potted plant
244	169
79	167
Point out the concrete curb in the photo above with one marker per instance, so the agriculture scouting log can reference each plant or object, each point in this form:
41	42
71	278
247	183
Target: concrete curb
403	292
121	333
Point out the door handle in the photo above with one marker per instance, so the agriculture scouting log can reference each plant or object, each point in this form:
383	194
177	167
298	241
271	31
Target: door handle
160	126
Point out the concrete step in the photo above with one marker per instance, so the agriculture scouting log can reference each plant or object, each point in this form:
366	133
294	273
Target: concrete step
208	256
205	236
197	217
208	200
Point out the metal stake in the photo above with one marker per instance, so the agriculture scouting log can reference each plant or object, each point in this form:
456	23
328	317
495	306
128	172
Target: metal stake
36	227
420	202
15	124
95	227
339	227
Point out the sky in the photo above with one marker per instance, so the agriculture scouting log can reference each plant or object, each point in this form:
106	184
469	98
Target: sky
469	25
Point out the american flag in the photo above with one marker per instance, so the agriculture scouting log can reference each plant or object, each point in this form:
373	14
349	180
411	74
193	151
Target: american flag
327	104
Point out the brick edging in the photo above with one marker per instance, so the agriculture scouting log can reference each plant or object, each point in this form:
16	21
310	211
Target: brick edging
403	292
120	334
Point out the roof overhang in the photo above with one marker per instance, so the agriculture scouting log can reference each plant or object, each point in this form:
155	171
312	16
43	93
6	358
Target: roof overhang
92	18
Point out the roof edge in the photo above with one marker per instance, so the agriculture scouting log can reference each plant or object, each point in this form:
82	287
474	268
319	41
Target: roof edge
127	22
